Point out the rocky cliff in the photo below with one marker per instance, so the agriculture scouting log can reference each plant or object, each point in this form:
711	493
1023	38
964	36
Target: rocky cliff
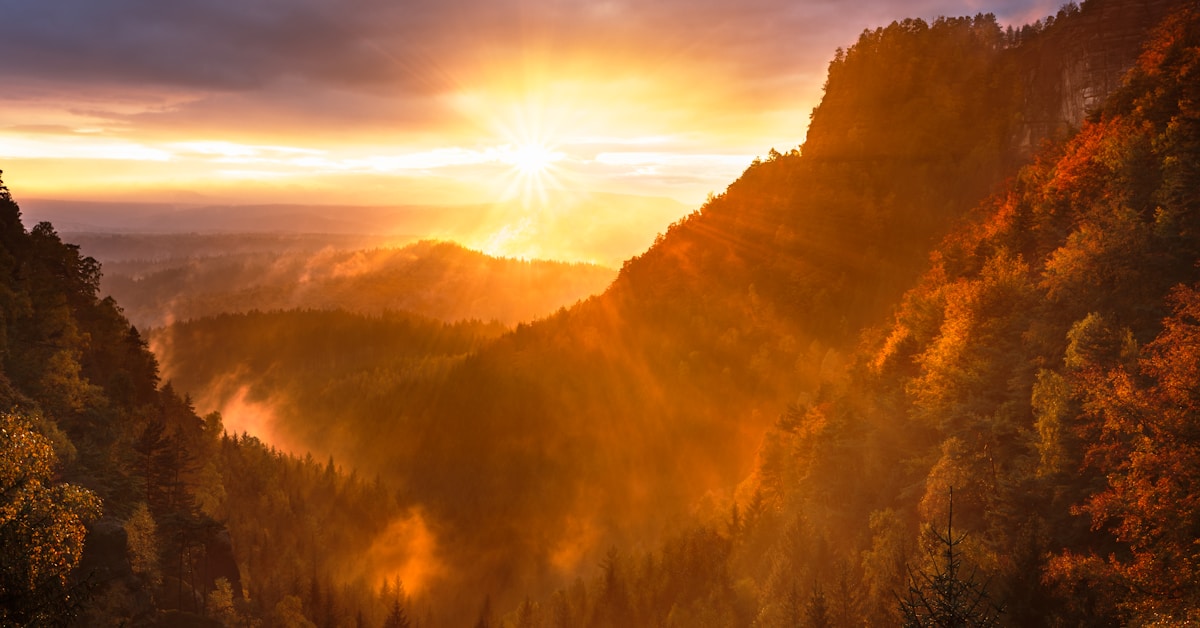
1072	65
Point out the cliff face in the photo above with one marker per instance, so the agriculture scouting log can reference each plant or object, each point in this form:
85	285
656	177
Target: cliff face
1079	59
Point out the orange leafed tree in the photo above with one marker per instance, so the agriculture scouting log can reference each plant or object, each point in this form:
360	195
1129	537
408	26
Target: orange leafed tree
1149	451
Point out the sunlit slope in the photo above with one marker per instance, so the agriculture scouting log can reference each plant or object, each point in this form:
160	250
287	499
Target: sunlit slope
1045	369
608	422
435	279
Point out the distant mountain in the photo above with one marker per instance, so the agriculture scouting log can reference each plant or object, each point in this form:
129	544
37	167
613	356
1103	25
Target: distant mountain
435	279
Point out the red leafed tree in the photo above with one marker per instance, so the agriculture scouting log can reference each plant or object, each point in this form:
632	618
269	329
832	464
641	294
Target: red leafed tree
1149	452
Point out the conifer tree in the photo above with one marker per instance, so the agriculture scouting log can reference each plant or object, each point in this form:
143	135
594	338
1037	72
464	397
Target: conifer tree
397	618
946	599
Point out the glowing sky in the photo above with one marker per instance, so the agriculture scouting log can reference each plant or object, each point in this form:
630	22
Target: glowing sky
415	101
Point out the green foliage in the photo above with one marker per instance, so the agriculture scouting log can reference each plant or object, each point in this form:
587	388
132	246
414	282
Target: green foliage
220	603
1057	450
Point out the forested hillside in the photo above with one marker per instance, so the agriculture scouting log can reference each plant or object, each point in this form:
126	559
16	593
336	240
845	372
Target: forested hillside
615	422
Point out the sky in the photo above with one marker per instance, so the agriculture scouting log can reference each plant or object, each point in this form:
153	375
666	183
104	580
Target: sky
416	101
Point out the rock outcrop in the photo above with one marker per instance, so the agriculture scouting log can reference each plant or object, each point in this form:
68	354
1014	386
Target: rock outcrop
1074	64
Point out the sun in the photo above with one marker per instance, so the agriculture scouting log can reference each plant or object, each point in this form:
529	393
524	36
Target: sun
532	171
532	159
530	142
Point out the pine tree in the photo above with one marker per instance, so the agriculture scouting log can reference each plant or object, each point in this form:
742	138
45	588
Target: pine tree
945	599
397	618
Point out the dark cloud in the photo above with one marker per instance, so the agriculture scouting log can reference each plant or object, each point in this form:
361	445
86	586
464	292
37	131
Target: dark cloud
239	44
219	44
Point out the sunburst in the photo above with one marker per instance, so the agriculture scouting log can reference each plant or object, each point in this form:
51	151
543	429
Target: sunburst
532	159
532	170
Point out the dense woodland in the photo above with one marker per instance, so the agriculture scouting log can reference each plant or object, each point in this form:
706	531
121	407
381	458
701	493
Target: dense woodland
764	421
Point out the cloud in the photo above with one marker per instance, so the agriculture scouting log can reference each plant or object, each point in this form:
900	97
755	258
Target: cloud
710	76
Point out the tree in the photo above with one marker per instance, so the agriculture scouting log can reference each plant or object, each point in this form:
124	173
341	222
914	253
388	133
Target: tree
141	533
397	618
148	444
613	604
289	613
945	599
42	528
220	603
1146	451
883	565
816	612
